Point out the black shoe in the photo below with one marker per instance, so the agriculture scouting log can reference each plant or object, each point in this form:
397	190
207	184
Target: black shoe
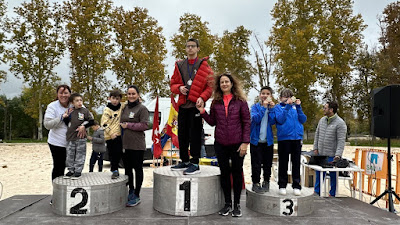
76	176
265	186
68	175
237	212
226	210
257	188
192	169
180	166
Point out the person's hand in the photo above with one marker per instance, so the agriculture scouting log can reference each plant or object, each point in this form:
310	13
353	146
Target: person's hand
124	125
67	112
243	149
265	103
336	158
200	102
89	138
200	106
315	152
81	131
289	101
183	90
298	102
113	136
271	104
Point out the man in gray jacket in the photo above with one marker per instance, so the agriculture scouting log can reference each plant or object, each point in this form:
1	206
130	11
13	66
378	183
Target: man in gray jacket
329	140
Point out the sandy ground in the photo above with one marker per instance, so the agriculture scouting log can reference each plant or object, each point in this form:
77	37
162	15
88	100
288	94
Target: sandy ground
25	169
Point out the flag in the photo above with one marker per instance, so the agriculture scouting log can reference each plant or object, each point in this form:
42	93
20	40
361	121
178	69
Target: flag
172	124
157	150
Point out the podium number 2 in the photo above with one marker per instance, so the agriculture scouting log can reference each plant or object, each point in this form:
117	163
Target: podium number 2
76	209
289	206
185	186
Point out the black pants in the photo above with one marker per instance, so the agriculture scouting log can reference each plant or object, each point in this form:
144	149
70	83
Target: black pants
59	155
189	132
292	147
261	157
134	159
114	147
224	153
96	156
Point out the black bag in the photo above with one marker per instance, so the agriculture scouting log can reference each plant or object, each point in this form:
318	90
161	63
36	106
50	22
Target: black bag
342	163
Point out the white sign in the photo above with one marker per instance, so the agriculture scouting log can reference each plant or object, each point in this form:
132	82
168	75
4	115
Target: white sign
186	196
78	201
288	207
374	162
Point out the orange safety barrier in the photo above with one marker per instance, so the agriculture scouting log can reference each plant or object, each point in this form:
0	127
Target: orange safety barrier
377	175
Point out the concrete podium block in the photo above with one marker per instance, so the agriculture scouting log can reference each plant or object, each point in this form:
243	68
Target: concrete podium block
187	195
92	194
272	203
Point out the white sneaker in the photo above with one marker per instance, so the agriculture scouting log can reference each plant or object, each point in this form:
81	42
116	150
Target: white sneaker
282	191
297	192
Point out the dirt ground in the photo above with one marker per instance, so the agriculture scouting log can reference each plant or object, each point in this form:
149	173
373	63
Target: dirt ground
25	169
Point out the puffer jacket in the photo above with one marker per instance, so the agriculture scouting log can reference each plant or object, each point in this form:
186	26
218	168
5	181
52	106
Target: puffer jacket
201	86
233	128
289	122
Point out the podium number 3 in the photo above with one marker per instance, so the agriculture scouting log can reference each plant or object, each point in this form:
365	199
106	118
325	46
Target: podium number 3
185	186
77	208
289	206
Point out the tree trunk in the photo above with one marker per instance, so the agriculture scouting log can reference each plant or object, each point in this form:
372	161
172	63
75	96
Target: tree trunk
40	127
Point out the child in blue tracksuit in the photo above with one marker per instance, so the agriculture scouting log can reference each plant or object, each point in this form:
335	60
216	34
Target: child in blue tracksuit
262	139
289	119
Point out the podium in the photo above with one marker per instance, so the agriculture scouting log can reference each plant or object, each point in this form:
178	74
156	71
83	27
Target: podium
272	203
92	194
187	195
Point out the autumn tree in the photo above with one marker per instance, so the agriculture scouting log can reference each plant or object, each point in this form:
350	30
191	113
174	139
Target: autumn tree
140	50
3	9
231	55
263	68
364	81
388	68
296	54
191	26
89	43
340	38
37	45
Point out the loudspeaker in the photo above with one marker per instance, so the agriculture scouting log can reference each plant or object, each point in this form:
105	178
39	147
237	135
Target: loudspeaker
386	111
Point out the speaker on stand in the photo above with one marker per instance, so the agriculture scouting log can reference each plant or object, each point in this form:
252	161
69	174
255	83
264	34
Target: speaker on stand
386	124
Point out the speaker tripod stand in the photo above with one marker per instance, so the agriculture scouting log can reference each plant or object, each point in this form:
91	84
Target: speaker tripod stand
389	191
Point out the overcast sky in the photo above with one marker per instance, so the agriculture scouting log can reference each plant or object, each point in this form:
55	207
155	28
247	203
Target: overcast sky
221	15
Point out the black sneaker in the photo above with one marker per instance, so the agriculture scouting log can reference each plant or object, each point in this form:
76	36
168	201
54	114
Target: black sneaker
236	212
265	186
180	166
226	210
257	188
115	174
68	175
192	169
76	176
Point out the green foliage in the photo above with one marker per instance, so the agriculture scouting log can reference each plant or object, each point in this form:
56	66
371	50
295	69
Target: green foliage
140	50
3	19
296	52
340	37
388	68
231	56
89	42
364	81
13	112
191	26
37	47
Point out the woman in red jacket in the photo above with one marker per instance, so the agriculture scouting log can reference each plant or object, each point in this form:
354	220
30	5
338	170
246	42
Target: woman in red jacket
230	114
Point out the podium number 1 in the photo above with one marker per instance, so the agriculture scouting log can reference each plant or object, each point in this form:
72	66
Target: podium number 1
185	186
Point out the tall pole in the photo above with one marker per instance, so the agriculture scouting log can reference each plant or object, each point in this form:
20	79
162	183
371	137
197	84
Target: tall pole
10	125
